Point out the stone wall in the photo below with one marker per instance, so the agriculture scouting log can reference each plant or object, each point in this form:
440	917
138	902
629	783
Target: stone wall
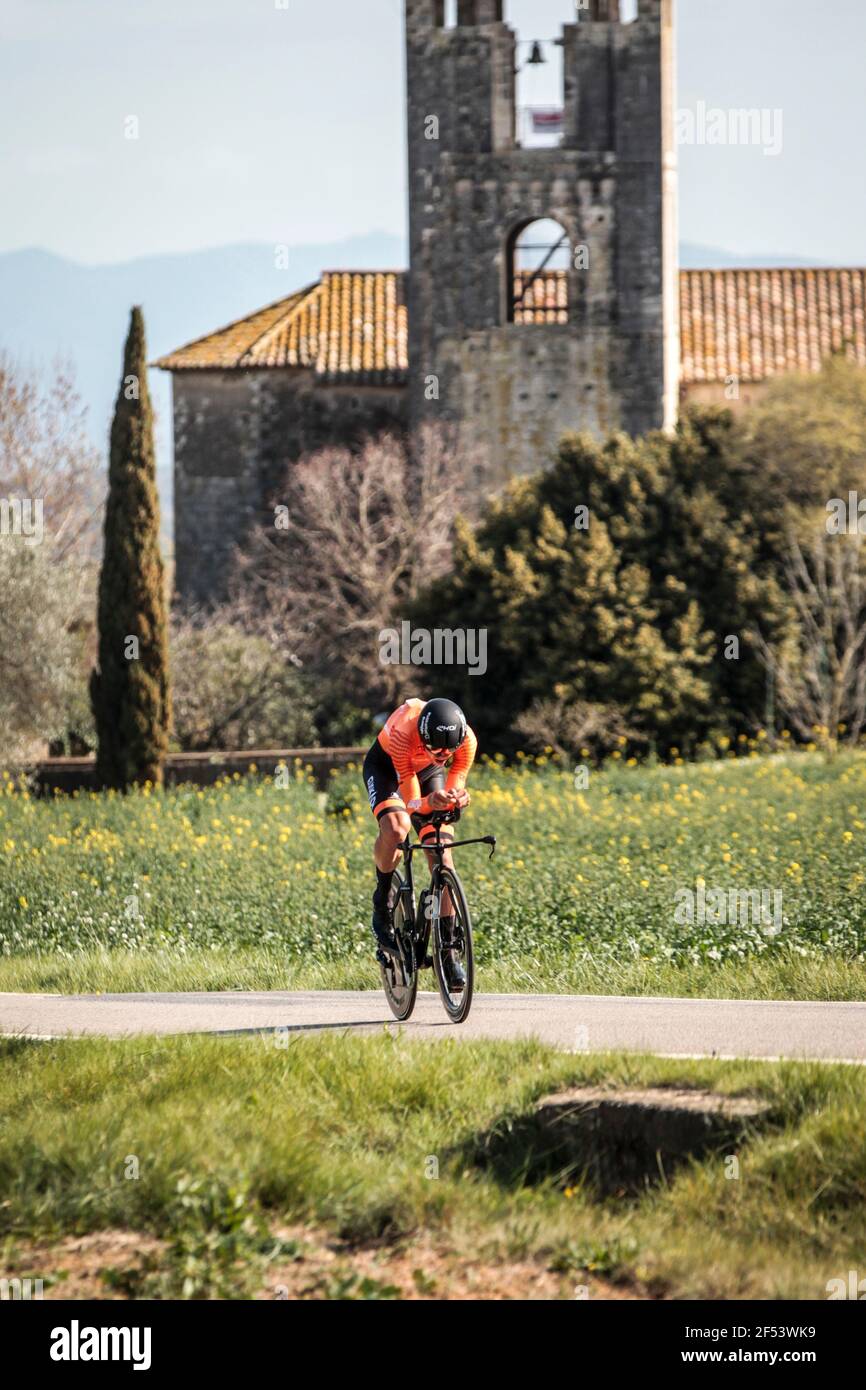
531	383
70	775
236	435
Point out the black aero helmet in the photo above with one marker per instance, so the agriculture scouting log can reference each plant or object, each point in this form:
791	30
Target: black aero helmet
442	725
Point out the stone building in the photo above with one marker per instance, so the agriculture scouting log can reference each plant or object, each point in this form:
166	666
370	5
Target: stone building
327	365
542	294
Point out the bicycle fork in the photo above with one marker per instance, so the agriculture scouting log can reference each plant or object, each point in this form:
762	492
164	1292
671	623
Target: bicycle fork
406	941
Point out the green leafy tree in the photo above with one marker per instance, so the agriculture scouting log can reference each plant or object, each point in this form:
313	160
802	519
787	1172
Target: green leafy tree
616	579
47	572
43	685
807	434
129	690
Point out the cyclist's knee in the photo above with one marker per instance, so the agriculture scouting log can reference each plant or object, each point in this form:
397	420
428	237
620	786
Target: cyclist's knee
394	826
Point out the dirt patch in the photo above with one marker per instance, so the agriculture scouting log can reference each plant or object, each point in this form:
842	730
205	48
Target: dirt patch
423	1270
71	1267
326	1268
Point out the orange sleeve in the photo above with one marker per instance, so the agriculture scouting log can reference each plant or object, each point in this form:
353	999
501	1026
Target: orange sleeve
462	762
410	788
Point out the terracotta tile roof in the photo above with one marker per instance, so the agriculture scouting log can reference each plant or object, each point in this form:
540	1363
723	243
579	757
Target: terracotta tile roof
756	323
351	326
540	298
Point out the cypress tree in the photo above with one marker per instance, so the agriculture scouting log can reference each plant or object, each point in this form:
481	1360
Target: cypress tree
129	689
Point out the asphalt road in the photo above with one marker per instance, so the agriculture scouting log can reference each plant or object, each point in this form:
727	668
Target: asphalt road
667	1027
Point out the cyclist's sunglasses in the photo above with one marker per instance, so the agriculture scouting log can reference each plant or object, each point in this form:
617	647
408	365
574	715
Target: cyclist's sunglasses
441	755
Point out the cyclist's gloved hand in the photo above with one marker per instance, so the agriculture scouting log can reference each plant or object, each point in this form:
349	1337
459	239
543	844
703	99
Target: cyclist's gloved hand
452	800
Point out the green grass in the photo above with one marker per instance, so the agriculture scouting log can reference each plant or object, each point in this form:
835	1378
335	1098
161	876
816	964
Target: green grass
252	885
781	975
234	1137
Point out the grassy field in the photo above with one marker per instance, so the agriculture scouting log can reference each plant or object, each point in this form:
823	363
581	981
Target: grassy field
342	1167
253	885
206	1167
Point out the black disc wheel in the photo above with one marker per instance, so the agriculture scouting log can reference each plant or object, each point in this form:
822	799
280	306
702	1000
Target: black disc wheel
458	947
399	972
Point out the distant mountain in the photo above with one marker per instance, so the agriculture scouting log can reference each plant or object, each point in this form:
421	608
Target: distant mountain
51	306
696	257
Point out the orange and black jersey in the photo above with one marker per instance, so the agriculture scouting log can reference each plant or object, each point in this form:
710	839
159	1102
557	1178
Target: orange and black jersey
401	745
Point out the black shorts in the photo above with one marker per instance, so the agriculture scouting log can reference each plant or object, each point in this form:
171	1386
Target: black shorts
382	783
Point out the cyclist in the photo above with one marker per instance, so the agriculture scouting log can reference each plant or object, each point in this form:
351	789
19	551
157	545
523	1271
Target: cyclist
406	780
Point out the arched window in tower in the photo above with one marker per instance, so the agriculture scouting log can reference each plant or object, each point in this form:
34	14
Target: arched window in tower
539	260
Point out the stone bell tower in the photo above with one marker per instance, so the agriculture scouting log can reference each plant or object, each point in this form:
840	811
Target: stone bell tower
589	339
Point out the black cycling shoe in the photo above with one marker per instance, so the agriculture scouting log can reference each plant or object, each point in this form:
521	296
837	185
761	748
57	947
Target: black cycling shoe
383	929
455	975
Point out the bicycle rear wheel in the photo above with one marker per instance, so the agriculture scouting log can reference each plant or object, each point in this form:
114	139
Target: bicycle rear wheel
400	973
457	1004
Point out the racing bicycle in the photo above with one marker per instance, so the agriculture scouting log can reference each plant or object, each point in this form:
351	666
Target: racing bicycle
418	930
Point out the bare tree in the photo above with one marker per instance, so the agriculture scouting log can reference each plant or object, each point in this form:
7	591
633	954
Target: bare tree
358	535
46	456
569	727
820	671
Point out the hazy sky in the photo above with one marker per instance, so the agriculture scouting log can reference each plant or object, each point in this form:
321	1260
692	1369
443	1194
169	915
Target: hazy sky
282	121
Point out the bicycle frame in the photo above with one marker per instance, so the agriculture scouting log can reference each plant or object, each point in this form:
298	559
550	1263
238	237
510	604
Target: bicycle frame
439	847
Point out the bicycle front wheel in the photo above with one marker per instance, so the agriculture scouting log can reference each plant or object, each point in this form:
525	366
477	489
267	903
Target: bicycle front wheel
457	1002
400	973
